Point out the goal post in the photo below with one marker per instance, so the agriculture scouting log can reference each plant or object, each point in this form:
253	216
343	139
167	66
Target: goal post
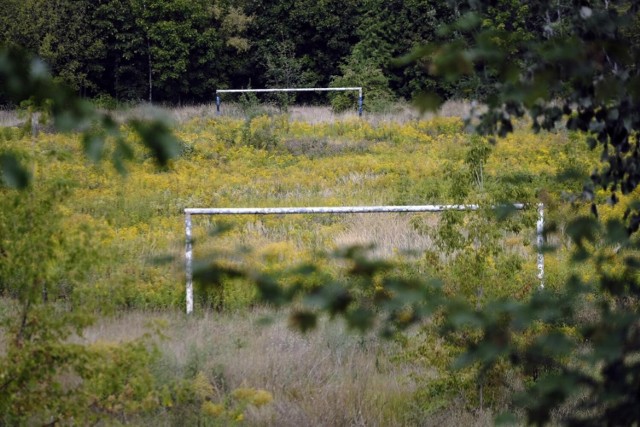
303	89
341	210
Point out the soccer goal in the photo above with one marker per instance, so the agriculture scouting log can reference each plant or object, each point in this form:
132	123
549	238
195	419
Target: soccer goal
304	89
189	212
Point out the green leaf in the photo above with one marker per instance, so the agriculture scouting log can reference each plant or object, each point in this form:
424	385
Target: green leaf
304	269
616	232
220	228
162	259
368	268
413	56
122	152
503	212
93	145
333	298
428	101
484	352
12	173
361	319
632	262
270	290
212	274
463	318
583	228
303	320
468	21
554	343
157	136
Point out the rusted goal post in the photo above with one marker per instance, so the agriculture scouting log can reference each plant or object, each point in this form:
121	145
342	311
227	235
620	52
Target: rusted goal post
189	212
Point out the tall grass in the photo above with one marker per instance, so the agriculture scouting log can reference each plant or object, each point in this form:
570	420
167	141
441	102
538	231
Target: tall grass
398	113
309	157
329	377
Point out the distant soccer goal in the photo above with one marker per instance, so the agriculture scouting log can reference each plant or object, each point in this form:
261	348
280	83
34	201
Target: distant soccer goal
340	210
304	89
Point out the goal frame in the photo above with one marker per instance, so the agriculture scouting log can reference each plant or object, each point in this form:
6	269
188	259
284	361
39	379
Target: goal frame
189	212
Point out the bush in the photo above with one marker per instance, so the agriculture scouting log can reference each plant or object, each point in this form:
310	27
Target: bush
375	86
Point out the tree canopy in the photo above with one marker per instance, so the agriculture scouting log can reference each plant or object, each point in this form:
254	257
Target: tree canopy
181	51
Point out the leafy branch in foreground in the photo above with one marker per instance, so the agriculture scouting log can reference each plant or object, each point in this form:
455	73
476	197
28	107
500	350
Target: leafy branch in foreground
27	82
578	349
581	68
44	378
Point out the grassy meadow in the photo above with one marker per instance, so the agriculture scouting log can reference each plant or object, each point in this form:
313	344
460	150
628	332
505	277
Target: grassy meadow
113	245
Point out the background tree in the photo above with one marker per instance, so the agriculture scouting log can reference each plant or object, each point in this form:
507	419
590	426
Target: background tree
181	51
130	50
185	38
368	61
61	34
317	34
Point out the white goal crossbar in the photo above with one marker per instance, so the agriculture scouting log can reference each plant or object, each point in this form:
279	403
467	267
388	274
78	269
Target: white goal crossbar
340	210
301	89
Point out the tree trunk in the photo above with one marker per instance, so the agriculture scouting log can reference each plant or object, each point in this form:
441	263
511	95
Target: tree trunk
150	76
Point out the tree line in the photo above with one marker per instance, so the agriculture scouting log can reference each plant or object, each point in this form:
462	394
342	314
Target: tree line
181	51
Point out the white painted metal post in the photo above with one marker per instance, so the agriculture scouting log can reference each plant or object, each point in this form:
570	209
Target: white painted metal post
189	262
540	243
300	89
335	209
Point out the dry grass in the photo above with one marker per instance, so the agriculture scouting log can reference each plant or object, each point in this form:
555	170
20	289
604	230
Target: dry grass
398	113
328	377
390	234
455	108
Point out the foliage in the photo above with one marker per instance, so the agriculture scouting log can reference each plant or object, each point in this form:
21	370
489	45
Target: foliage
45	378
307	37
131	50
540	339
581	70
362	73
62	35
181	51
27	80
184	41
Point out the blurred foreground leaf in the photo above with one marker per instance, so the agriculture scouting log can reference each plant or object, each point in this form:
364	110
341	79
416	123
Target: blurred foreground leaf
12	173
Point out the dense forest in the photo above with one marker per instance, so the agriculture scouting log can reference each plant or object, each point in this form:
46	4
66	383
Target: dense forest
181	51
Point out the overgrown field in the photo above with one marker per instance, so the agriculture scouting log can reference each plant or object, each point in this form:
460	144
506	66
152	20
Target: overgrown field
93	238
